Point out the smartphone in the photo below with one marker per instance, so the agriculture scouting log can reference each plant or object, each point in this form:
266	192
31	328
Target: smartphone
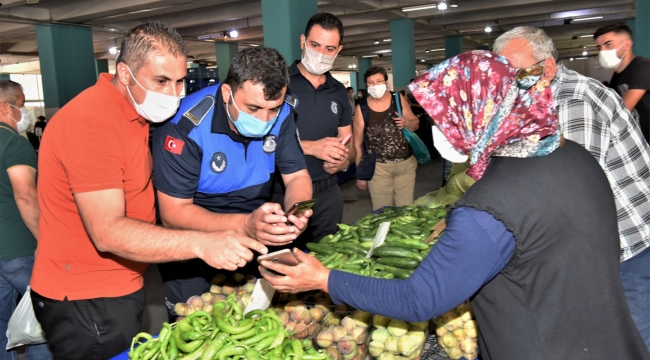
346	139
299	208
284	257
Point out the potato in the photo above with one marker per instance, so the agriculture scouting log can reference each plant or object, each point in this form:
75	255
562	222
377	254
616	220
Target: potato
207	297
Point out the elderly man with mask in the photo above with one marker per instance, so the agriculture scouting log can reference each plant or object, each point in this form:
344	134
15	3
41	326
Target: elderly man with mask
214	163
323	118
97	230
595	117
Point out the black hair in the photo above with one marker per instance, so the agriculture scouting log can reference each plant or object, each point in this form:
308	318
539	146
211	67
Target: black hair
150	36
373	71
328	22
619	27
349	88
9	91
41	117
259	65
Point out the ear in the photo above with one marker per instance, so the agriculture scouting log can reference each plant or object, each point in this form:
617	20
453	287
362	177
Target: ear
550	67
302	41
123	74
225	93
4	108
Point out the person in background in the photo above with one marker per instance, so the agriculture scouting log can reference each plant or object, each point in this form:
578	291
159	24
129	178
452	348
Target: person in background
596	118
39	126
353	101
213	174
97	229
19	212
323	119
631	78
533	243
360	95
378	128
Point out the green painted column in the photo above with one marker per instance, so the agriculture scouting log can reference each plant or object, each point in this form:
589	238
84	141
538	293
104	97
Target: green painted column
5	77
402	32
453	46
67	63
283	22
642	28
632	24
101	66
364	64
353	81
226	51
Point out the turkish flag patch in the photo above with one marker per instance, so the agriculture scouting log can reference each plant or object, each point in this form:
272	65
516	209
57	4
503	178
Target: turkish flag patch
174	146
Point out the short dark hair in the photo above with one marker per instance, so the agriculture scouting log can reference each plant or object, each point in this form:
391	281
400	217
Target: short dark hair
41	117
328	22
373	71
350	88
150	36
9	91
619	27
259	65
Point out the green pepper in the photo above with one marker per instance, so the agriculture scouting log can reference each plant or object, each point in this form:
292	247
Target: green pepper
186	347
244	335
253	313
172	352
232	329
153	350
320	356
296	347
132	352
215	345
237	310
252	354
196	354
231	350
259	337
164	336
265	343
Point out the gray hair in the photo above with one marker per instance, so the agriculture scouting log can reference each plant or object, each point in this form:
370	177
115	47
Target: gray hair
540	43
9	91
150	36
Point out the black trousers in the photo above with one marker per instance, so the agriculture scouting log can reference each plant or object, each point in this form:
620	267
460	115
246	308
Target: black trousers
95	329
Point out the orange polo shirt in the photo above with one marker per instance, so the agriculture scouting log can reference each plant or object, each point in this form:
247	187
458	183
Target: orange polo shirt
95	142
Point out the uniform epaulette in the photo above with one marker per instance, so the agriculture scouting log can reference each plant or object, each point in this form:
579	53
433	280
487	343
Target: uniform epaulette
292	100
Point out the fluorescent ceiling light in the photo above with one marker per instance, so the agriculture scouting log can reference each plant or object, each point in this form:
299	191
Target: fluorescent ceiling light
585	53
383	51
587	18
387	40
421	7
442	49
585	36
581	58
488	29
442	5
453	5
369	56
376	42
571	59
113	50
467	31
211	36
233	33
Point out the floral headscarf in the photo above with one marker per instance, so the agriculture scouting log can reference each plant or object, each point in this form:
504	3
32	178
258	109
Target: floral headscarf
486	108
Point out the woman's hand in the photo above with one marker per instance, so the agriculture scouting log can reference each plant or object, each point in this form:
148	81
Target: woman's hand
310	274
362	185
399	121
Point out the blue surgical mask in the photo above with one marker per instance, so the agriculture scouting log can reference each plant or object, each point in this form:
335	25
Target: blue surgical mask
248	125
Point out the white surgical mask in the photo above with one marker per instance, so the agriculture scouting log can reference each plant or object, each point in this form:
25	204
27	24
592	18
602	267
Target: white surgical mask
24	121
315	62
157	107
377	91
444	147
608	58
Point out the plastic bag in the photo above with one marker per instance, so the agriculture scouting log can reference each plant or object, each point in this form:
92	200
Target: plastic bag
23	328
420	150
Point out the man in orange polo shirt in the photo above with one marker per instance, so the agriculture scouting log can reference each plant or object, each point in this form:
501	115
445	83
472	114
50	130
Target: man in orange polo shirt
97	218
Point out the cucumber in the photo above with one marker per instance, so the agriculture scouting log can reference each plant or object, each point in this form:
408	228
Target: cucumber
410	244
402	263
410	230
394	251
367	239
366	245
321	248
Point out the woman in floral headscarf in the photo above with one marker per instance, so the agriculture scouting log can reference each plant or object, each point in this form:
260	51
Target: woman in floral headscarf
533	243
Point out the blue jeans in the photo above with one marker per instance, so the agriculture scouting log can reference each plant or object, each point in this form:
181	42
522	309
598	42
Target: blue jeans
14	278
635	273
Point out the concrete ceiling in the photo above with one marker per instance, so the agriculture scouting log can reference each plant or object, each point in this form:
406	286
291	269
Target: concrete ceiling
364	21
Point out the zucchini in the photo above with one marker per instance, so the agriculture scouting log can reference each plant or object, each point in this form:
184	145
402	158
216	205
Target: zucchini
399	252
402	263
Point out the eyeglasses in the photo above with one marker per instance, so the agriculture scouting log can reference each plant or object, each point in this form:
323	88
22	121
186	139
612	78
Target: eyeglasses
533	70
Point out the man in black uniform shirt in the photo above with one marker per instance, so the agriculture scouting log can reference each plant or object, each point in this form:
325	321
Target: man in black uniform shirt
631	79
323	118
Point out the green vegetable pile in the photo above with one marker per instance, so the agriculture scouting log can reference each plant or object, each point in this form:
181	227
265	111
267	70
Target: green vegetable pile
226	334
456	185
401	253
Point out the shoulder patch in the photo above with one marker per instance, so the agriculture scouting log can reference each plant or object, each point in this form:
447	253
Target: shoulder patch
219	162
292	100
334	107
197	112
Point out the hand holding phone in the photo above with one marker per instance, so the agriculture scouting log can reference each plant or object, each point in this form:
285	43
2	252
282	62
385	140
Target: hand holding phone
284	257
346	139
299	208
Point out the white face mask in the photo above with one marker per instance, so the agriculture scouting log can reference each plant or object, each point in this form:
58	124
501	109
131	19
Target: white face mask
24	121
377	91
315	62
444	147
156	107
608	58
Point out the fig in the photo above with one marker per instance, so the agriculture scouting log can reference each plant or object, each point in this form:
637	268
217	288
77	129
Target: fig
180	318
284	317
181	309
350	356
215	289
291	326
314	328
419	326
316	314
333	353
397	327
218	297
196	301
391	345
248	287
471	329
326	302
363	351
293	304
207	297
218	279
448	317
459	334
207	308
240	292
340	308
228	289
300	314
251	279
359	334
362	318
386	356
348	323
467	345
338	332
331	319
380	335
301	331
406	345
325	339
454	353
376	348
239	278
346	345
191	309
380	321
449	340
